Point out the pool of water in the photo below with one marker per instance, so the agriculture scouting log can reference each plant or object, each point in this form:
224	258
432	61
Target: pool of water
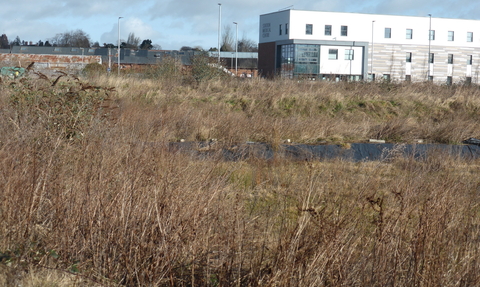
350	152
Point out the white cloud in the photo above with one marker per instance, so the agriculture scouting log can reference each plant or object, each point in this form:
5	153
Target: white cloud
127	26
141	29
188	22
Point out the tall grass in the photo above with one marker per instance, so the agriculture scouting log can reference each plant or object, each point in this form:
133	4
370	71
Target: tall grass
104	201
306	112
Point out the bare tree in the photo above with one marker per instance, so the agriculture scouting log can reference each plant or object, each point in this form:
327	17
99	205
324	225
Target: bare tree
132	41
247	45
228	41
77	38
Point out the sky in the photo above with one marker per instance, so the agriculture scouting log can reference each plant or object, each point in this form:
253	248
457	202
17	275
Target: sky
176	23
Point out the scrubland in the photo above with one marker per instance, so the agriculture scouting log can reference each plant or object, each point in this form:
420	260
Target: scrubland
91	195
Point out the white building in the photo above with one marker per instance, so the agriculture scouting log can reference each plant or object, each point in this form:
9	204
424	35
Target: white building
351	45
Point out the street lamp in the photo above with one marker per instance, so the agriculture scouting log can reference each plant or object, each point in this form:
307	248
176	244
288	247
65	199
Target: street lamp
236	48
119	45
219	29
429	45
371	55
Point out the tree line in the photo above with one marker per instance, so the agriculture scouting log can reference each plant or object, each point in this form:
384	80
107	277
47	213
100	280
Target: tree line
228	40
78	38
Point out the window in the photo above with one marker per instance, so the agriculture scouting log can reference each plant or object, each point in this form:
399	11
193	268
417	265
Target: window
451	35
409	57
286	28
432	35
349	54
469	60
408	78
309	29
280	29
450	58
431	59
23	48
344	31
388	33
469	36
333	54
386	77
287	59
328	30
56	49
306	59
430	78
409	33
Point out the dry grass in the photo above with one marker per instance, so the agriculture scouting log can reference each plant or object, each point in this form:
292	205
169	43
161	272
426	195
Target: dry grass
305	112
103	201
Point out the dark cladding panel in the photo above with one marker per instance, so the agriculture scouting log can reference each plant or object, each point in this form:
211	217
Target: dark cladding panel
142	53
266	59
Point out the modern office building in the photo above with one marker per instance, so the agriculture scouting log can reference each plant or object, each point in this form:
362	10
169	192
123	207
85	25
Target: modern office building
333	45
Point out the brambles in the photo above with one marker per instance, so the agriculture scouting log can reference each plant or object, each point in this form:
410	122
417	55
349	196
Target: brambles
108	202
62	107
205	68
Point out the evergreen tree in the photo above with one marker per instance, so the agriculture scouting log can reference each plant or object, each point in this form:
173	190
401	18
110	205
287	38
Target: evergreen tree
146	44
16	42
4	42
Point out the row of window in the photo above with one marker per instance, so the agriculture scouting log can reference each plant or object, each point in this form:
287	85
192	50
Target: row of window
409	35
431	58
286	29
388	32
327	31
333	54
59	49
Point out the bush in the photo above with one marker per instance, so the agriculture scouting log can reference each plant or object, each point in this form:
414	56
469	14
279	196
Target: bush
94	69
205	68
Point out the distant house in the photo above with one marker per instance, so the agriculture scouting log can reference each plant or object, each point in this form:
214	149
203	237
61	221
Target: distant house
333	45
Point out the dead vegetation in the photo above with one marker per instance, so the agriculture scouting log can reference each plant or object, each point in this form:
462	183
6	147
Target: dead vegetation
88	200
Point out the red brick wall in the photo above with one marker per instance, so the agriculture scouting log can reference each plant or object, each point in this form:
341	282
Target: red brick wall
54	60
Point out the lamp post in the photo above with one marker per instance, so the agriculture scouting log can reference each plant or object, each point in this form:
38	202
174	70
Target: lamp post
371	55
219	29
429	44
350	56
119	45
236	48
